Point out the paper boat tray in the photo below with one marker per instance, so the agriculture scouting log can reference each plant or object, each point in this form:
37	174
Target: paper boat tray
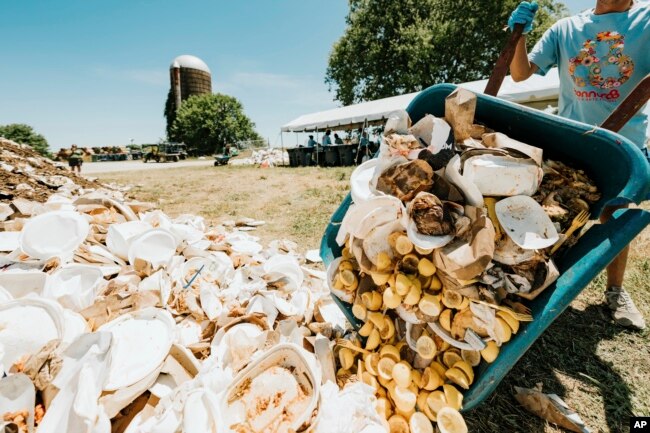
613	162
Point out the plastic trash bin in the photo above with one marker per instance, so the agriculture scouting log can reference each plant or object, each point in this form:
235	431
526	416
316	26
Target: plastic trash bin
294	158
346	154
332	156
305	156
613	162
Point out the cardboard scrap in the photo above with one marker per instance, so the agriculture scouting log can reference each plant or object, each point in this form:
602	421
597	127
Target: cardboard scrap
460	107
467	259
551	408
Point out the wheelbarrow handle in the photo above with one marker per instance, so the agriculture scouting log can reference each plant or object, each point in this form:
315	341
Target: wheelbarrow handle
630	105
503	62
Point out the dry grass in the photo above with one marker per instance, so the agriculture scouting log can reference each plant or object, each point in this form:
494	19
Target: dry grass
296	203
598	368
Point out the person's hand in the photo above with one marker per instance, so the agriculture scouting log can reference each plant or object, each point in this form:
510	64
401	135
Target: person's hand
523	14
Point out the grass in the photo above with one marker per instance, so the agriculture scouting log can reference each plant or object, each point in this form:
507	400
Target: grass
296	203
601	370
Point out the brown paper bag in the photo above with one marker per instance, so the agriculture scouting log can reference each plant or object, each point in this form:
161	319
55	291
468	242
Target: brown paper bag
464	260
460	107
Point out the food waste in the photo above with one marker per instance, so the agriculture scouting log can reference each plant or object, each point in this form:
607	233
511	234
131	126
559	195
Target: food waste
117	317
449	234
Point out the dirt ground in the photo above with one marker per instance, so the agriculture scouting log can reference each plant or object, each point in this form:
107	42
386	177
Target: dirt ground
600	369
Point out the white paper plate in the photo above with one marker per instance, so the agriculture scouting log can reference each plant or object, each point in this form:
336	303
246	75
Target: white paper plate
156	246
20	283
471	193
284	266
141	341
525	221
501	176
75	286
247	247
343	295
313	256
9	241
284	370
17	394
54	234
119	236
426	242
27	325
509	253
360	181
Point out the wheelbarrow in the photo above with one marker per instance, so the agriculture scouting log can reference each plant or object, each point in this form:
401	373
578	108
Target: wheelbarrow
221	160
615	164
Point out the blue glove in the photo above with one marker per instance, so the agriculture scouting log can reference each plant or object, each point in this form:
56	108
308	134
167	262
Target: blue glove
523	14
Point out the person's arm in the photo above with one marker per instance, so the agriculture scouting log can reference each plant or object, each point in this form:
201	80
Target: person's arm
524	14
521	68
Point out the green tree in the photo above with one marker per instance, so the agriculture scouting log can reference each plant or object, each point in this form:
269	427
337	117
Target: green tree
25	134
394	47
169	113
209	122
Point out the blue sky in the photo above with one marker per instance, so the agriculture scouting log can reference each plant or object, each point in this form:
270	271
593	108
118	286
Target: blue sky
96	73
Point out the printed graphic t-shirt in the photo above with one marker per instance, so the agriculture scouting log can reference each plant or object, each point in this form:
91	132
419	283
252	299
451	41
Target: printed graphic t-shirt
600	58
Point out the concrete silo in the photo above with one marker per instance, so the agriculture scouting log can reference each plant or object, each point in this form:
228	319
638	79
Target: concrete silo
189	76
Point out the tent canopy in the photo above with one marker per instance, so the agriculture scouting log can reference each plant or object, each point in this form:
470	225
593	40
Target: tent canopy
536	88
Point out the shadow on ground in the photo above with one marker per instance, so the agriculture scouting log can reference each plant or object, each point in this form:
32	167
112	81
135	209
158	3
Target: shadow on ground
567	353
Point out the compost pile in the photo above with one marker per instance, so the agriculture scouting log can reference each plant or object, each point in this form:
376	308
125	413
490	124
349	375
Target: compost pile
271	157
452	227
116	317
26	174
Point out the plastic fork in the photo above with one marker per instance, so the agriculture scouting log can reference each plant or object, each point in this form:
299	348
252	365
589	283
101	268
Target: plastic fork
350	345
518	307
519	316
580	220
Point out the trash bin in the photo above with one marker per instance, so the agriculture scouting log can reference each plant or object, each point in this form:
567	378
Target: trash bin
332	156
319	157
346	154
305	154
294	158
615	164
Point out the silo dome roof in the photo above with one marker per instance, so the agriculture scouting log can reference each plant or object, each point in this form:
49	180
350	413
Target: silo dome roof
188	61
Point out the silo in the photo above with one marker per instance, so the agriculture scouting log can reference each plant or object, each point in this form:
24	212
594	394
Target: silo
189	76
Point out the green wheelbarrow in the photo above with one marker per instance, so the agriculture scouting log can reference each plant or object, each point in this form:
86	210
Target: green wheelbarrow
616	165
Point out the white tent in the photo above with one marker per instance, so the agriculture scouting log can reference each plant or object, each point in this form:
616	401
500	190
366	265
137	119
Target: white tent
535	89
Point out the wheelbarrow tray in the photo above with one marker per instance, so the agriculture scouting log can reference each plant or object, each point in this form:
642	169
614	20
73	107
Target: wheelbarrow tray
221	159
615	164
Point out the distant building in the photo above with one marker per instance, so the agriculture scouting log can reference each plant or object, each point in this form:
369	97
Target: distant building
189	76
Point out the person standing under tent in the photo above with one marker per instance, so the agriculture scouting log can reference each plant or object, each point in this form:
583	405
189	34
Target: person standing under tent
364	148
311	142
601	54
337	139
327	140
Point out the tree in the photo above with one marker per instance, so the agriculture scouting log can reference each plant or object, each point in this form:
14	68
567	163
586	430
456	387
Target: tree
394	47
25	134
208	122
169	113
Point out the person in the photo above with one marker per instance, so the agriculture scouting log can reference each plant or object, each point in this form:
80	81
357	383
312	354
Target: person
75	159
327	140
364	150
311	142
601	55
337	139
